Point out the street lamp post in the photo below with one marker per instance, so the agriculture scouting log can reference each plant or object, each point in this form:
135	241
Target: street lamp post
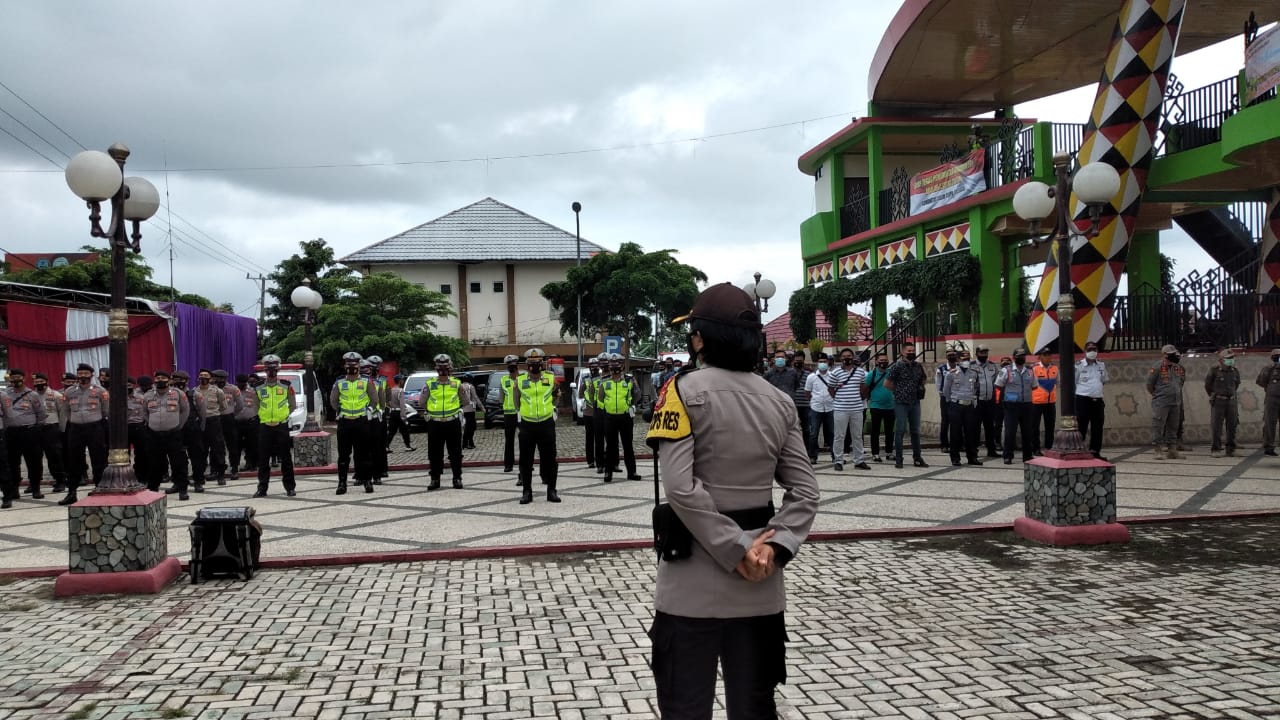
1094	185
98	177
309	301
761	290
577	236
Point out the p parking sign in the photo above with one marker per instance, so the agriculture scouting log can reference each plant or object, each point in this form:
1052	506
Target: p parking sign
613	343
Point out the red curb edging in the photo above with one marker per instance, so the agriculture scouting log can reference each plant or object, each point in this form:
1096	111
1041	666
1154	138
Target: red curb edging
130	582
1067	535
471	553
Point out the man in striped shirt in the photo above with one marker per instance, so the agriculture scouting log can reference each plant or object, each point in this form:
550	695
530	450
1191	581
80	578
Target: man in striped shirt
846	388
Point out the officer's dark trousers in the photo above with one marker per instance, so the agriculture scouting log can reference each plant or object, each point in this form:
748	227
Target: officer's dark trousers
24	444
598	419
1018	417
1090	412
215	442
824	422
542	436
1046	414
193	441
8	481
353	437
141	450
51	443
751	650
964	431
442	435
275	441
469	432
510	423
589	423
944	423
989	419
248	445
166	453
618	430
396	424
377	449
802	412
91	436
231	439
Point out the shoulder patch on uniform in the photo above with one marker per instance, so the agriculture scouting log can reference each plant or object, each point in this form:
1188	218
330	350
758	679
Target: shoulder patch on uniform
670	418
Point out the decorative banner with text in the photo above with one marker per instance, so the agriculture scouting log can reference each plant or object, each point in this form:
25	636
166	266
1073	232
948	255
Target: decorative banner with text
947	183
1262	64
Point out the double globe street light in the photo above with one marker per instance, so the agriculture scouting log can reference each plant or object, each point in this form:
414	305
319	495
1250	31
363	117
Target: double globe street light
761	290
1095	185
98	177
309	301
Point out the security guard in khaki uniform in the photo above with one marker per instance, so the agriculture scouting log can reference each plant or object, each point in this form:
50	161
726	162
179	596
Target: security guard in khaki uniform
510	413
355	398
53	431
1221	386
442	403
276	401
536	396
165	412
24	416
618	394
86	430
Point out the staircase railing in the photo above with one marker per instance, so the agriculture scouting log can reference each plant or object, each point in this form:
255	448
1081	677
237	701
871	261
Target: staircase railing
921	329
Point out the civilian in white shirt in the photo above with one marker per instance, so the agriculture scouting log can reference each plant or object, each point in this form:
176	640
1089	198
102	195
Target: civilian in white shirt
846	390
1091	375
821	405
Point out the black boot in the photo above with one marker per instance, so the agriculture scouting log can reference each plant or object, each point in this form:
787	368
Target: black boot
262	491
68	500
342	487
435	484
7	503
552	495
59	486
35	492
222	479
457	483
527	496
368	486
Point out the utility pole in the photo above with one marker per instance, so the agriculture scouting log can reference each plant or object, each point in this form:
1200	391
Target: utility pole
262	301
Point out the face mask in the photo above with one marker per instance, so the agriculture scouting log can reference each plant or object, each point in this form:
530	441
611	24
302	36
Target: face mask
271	372
204	381
1173	358
780	362
1091	355
910	356
822	367
982	359
162	385
17	383
1019	361
952	359
964	363
41	387
221	383
1229	362
535	367
846	361
514	367
85	380
882	363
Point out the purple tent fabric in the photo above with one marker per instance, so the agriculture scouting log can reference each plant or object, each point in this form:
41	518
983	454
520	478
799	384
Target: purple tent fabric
213	340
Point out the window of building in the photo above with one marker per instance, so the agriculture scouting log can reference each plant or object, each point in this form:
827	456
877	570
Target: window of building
446	289
475	287
498	286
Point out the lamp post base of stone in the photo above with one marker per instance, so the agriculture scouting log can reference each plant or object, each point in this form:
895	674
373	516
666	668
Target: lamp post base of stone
119	543
1070	500
312	449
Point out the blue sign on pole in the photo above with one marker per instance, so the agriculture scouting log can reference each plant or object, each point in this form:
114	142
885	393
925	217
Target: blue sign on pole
613	343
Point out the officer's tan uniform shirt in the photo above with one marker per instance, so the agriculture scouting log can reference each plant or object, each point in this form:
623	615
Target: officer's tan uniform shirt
55	408
22	408
86	404
165	410
213	400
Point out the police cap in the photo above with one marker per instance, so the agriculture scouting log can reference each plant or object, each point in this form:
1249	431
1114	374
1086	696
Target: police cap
515	359
375	359
724	303
352	357
534	354
220	374
271	360
443	359
160	374
1169	350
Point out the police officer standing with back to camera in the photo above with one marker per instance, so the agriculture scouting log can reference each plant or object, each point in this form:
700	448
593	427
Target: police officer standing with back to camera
354	397
720	599
165	413
619	399
86	430
24	416
1269	380
536	394
53	430
510	412
586	392
442	402
276	401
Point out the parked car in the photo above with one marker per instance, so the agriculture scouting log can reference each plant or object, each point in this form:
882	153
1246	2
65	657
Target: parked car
578	403
492	399
413	386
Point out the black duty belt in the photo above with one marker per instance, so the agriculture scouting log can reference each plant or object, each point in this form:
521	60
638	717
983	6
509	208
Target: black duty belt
751	518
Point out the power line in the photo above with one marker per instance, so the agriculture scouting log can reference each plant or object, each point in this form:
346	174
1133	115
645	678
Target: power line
24	144
42	115
33	132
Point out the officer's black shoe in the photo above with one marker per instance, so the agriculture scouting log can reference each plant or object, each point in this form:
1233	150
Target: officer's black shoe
599	469
7	503
62	486
172	490
262	492
526	497
291	492
377	481
26	490
221	480
552	495
183	496
70	499
919	462
1272	453
1008	461
234	476
37	495
410	448
992	454
435	485
591	464
519	482
898	463
635	476
199	487
975	461
862	466
839	466
608	477
457	483
368	486
956	463
506	468
342	487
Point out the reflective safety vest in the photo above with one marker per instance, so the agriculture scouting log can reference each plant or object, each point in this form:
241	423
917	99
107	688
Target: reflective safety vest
536	402
353	398
443	399
1046	388
381	384
273	403
509	394
616	395
598	391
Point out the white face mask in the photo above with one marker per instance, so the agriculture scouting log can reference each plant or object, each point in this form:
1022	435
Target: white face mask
964	363
822	367
1092	355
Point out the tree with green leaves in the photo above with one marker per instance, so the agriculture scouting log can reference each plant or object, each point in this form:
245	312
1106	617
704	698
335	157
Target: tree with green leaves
622	291
316	262
379	314
96	277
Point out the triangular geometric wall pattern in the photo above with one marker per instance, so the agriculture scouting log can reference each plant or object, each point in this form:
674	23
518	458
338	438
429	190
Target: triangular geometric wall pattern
896	252
854	263
940	242
821	272
1120	132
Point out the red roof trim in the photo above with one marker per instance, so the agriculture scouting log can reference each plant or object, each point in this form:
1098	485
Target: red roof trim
906	17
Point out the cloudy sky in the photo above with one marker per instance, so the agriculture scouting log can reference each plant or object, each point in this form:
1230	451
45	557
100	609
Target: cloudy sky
675	124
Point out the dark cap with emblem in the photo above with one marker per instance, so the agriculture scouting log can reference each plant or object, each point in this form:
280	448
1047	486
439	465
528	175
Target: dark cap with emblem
724	303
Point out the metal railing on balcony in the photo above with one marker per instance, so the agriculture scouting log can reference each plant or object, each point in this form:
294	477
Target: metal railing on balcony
1009	162
1194	118
855	214
1195	322
1067	138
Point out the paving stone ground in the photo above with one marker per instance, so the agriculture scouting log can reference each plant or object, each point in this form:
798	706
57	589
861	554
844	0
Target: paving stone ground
1180	623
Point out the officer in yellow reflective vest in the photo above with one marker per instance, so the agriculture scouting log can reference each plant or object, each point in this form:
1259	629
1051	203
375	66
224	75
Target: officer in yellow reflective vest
536	394
596	398
442	406
618	394
378	421
275	401
587	391
510	414
355	398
